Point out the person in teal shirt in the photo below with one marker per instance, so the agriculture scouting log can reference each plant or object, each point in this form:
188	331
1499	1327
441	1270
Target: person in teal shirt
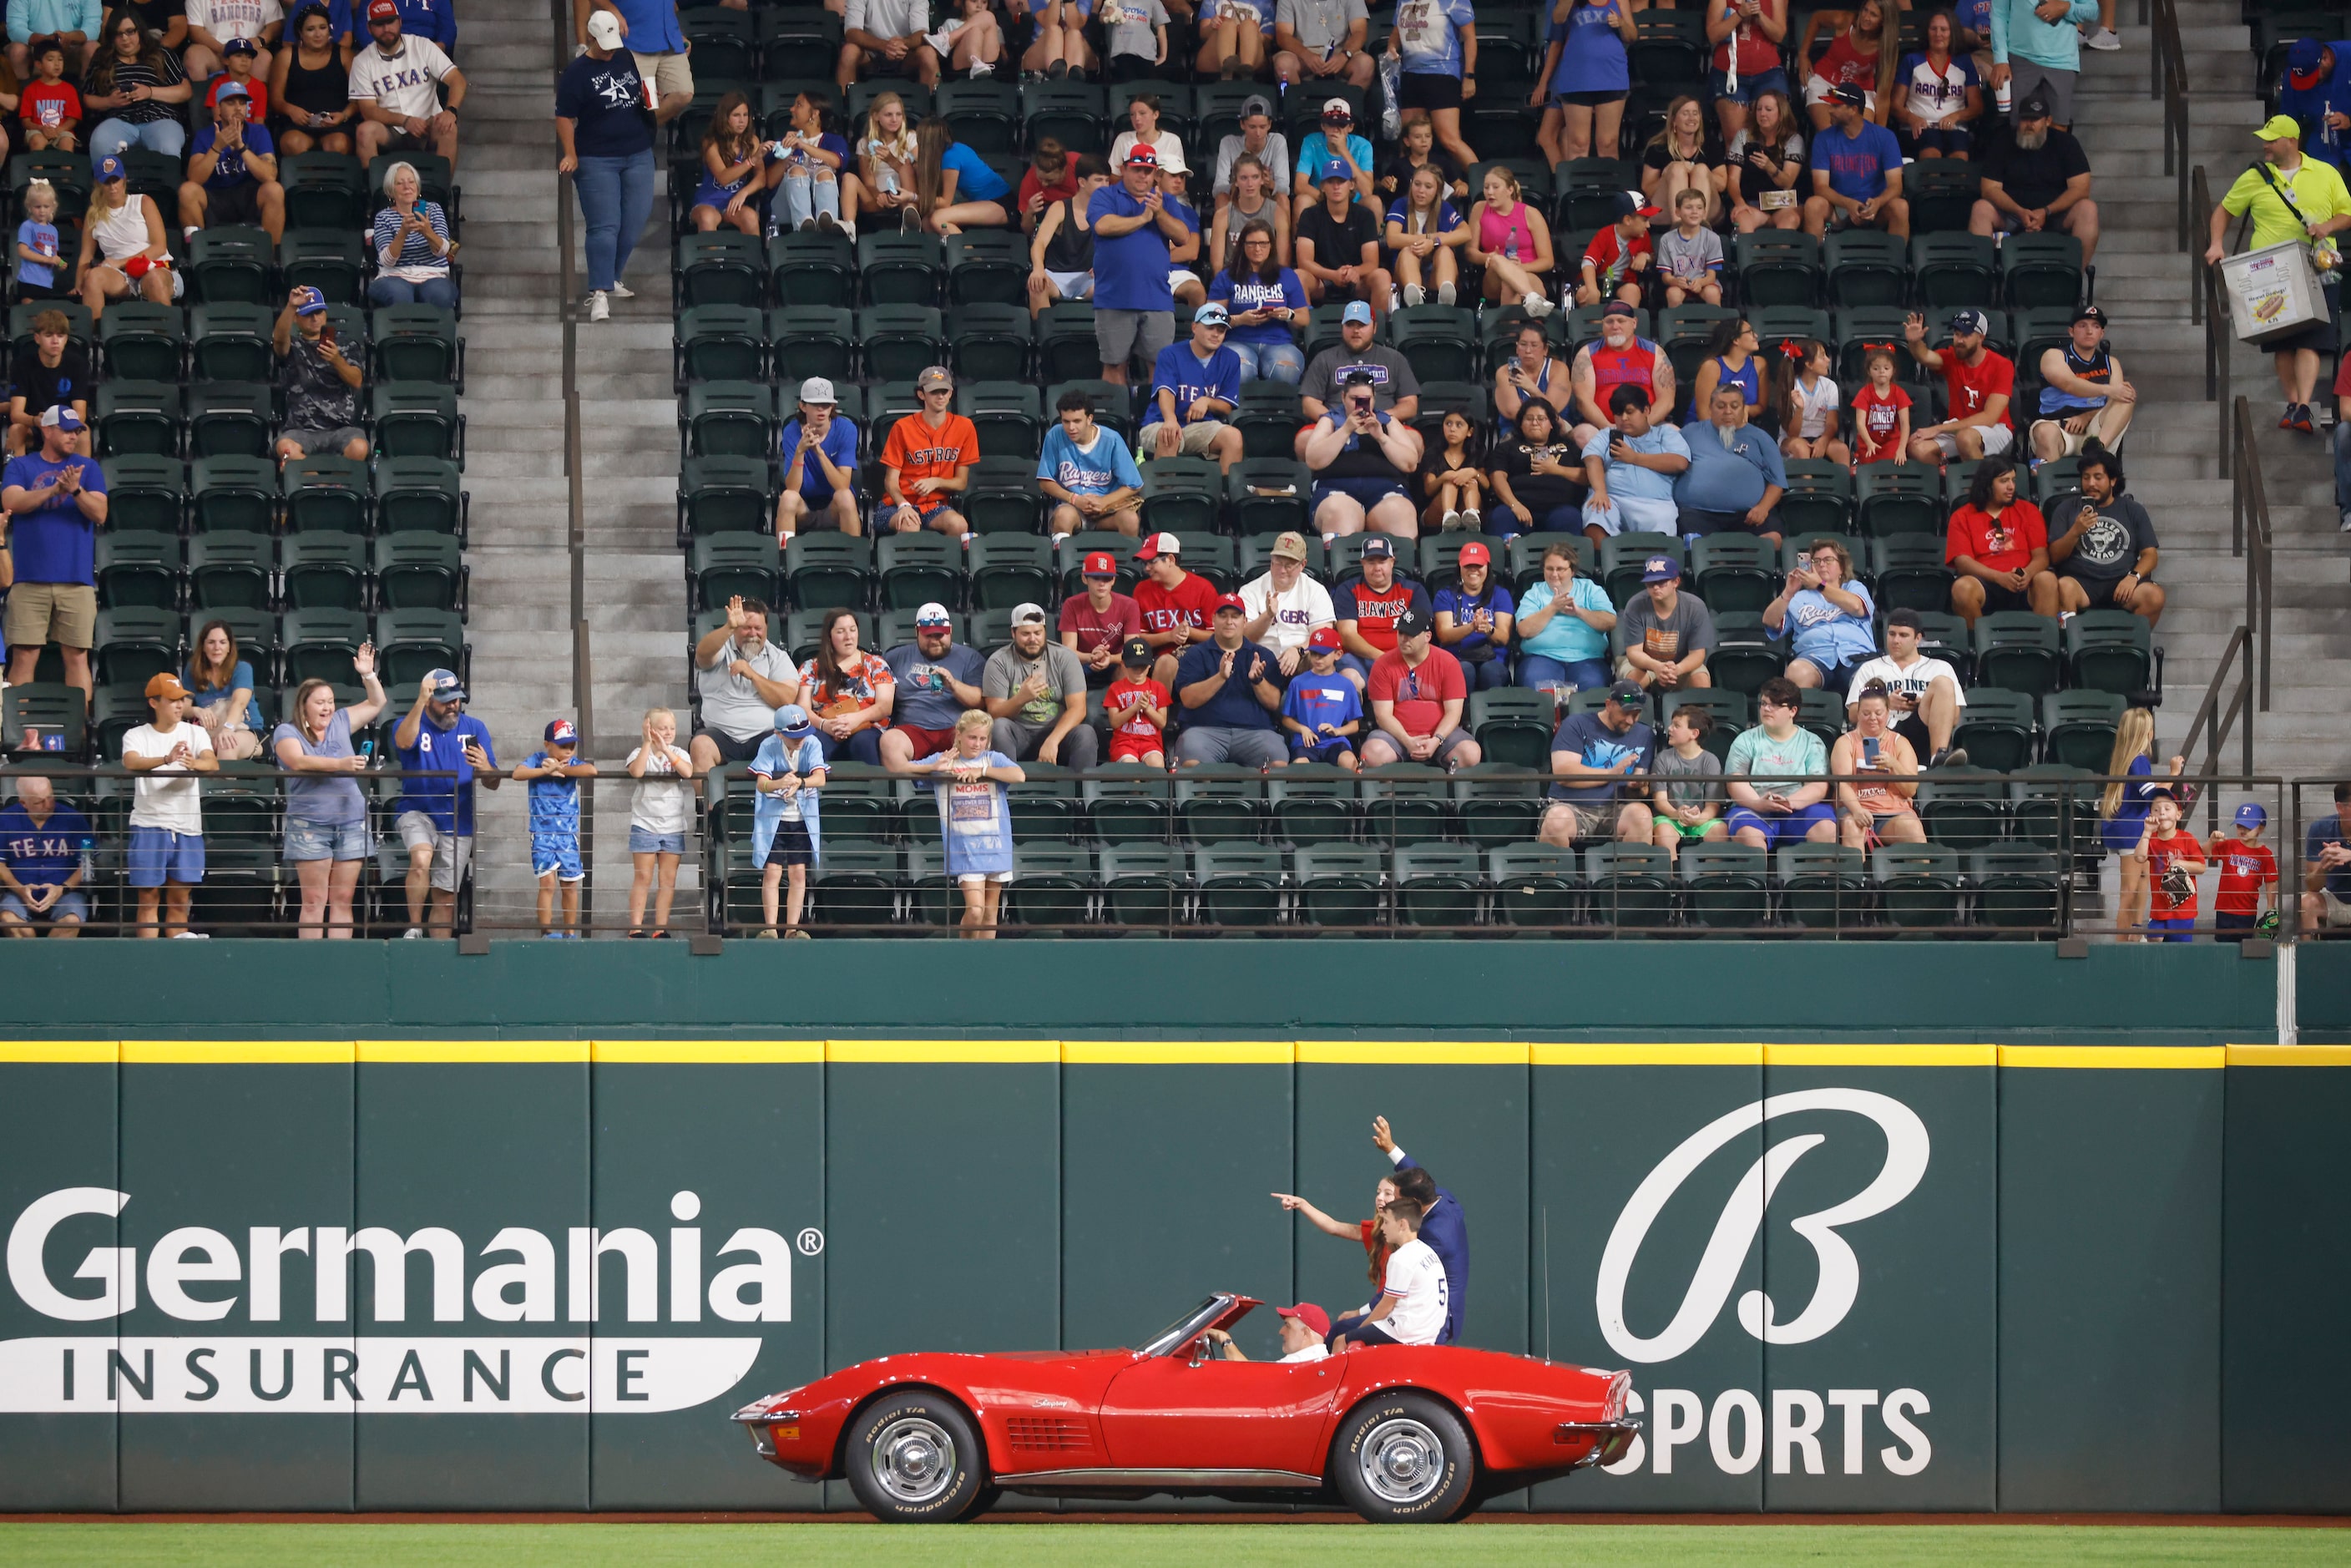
1775	775
1562	626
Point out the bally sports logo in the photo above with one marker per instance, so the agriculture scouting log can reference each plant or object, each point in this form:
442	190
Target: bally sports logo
198	1275
1735	1425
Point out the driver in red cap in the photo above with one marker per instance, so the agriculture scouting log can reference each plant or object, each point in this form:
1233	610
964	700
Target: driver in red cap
1304	1327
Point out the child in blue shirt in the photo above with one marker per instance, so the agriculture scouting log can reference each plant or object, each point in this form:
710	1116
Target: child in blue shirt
554	775
787	772
36	243
1323	710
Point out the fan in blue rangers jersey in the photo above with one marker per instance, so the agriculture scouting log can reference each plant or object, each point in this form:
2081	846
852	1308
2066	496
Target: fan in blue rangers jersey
43	857
1087	472
554	775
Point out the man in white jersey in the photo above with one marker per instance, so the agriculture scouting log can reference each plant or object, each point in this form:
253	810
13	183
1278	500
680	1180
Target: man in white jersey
1924	693
395	84
1411	1308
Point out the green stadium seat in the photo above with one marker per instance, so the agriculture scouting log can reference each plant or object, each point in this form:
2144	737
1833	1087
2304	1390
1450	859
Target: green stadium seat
1340	886
1951	270
1778	324
234	419
1777	268
320	644
231	342
729	419
1899	498
409	643
132	643
1744	655
898	342
231	265
1995	728
1942	193
1865	267
1513	726
328	260
1494	803
1824	887
1404	803
1240	885
917	568
56	708
1536	886
2019	651
1003	498
1909	573
1052	886
991	341
2016	889
1008	569
1073	113
1631	885
1067	350
2040	271
1438	886
1008	416
1440	342
856	882
1143	885
1313	804
1964	807
323	190
138	568
725	495
1724	887
726	566
231	571
1126	806
2078	726
325	570
815	268
142	342
2110	651
418	419
1918	884
720	343
1270	496
724	266
144	493
1220	811
2054	806
139	419
900	269
415	495
1734	573
987	267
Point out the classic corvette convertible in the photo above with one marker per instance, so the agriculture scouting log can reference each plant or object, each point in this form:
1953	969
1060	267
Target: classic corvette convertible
1399	1433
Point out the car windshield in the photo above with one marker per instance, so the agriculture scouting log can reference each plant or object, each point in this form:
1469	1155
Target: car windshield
1183	1329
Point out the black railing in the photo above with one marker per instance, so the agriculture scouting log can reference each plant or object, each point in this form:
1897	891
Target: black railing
2168	80
2248	536
2206	308
2226	710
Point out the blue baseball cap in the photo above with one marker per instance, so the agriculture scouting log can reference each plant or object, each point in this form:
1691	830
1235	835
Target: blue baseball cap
792	721
563	732
312	303
2252	815
1212	314
446	686
2302	64
230	91
1969	321
111	168
1661	569
1334	169
1356	311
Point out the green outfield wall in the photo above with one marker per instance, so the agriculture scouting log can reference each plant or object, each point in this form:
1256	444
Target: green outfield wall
381	1228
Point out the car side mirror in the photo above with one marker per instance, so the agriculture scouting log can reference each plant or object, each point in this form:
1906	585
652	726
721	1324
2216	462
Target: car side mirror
1199	1350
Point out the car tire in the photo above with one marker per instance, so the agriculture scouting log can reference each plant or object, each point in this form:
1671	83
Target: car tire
1404	1459
915	1458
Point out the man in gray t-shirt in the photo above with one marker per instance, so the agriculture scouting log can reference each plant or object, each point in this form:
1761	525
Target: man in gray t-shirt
1688	793
884	38
1035	692
742	679
1322	42
1394	389
1667	633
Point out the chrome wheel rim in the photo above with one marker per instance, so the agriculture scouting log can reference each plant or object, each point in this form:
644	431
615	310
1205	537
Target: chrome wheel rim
915	1460
1403	1461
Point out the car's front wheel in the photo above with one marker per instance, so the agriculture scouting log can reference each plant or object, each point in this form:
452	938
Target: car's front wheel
915	1458
1404	1459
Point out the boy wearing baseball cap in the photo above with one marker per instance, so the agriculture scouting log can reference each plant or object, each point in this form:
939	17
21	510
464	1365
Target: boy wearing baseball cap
928	462
1321	711
1178	605
2246	899
1095	624
787	772
1338	142
1616	263
167	826
553	773
819	451
1137	707
1336	240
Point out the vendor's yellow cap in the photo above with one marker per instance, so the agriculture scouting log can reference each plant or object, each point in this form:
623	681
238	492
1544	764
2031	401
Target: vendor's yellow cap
2280	128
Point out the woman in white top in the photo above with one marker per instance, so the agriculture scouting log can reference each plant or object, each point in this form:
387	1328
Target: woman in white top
127	232
658	818
885	160
1143	116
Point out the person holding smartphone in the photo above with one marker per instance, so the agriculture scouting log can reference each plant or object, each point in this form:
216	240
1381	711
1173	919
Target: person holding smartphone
436	815
1876	771
322	384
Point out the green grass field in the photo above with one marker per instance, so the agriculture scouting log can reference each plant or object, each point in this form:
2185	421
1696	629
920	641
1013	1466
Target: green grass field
1485	1546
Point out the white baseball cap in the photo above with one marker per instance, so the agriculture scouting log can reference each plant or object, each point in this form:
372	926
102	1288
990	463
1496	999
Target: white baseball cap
604	27
816	388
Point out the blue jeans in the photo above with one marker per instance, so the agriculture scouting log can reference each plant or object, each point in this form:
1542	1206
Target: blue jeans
1485	675
441	291
112	136
616	197
864	747
1542	669
1271	361
805	197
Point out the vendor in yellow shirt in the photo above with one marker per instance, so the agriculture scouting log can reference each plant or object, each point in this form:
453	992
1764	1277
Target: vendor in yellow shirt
2292	198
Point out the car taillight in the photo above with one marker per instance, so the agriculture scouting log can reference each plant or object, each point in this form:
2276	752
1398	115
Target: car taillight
1620	1390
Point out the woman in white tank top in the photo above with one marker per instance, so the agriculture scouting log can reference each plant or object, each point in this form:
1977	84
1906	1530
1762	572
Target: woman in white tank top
123	236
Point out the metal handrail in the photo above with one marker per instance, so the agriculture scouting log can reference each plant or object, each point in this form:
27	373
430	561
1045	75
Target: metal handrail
562	44
2248	536
2214	722
2206	308
2168	80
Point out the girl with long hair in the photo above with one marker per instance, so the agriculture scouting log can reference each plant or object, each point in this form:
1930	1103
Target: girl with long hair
885	159
1805	398
1861	55
326	813
1732	356
1253	199
733	170
1683	156
1937	95
220	681
1766	159
1265	307
2122	811
944	188
1511	240
309	87
847	692
1426	233
136	90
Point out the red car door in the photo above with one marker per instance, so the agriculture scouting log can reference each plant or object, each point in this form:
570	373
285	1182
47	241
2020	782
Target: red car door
1167	1413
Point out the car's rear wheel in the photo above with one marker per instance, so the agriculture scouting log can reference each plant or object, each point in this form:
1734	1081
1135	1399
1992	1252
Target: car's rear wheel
1404	1459
915	1458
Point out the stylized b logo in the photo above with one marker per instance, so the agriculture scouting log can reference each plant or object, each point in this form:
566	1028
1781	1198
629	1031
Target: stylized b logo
1742	1218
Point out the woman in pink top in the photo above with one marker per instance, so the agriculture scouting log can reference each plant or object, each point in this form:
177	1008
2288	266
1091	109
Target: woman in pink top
1510	239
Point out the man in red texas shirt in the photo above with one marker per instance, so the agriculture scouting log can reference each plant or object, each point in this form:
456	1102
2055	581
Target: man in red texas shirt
1178	605
1981	385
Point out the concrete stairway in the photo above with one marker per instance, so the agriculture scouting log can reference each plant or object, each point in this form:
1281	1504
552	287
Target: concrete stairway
521	622
2173	453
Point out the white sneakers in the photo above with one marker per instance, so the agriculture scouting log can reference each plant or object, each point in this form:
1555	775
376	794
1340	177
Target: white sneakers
623	291
2103	40
1444	294
1536	305
600	309
414	934
1414	294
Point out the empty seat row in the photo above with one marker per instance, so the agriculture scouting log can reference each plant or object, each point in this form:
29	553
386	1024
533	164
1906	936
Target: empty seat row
386	495
317	570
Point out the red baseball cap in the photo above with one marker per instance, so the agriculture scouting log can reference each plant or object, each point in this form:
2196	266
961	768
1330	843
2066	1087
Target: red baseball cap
1323	640
1158	545
1140	154
1231	601
1312	1316
1475	554
382	10
1100	564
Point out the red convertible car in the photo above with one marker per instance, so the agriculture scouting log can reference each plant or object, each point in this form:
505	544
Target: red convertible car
1399	1433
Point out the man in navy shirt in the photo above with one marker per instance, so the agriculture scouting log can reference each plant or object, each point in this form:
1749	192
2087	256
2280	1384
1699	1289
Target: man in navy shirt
1591	755
55	499
1229	691
819	451
1195	386
1856	172
42	846
436	816
2326	867
1442	1226
1134	230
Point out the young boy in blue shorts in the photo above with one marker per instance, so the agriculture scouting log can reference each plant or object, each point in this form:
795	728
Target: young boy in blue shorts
554	773
1323	710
